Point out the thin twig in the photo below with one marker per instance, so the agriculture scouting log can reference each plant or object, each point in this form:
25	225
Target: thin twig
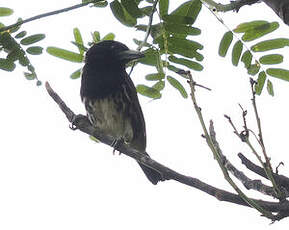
282	181
47	14
246	181
148	31
244	138
249	201
149	26
252	83
267	166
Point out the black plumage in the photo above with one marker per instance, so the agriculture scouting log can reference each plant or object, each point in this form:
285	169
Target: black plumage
110	97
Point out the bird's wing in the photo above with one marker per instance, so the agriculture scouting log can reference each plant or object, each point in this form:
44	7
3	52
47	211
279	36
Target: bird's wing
137	118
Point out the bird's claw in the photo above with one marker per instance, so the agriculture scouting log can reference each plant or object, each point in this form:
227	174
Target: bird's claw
74	121
116	144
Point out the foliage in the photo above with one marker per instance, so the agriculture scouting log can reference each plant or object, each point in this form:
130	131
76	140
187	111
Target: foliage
77	56
170	49
168	45
17	48
252	31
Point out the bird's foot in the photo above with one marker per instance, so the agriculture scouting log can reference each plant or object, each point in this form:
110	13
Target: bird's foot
116	144
75	120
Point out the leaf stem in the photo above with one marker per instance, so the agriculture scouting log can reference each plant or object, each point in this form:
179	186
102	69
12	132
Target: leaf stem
48	14
149	27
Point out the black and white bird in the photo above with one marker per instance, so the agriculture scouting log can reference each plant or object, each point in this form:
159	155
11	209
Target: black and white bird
110	97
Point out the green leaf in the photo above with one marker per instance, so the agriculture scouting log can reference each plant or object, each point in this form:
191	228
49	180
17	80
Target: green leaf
138	42
32	39
141	27
8	42
225	43
132	8
260	31
270	44
271	59
150	58
163	7
21	34
121	14
254	69
101	4
38	83
236	52
189	53
174	69
96	36
189	10
15	29
176	84
181	29
76	74
109	36
188	63
5	11
278	73
147	10
18	54
178	19
184	47
247	58
65	54
34	50
160	85
29	76
270	88
94	139
7	65
155	76
148	91
80	47
246	26
260	82
160	66
78	39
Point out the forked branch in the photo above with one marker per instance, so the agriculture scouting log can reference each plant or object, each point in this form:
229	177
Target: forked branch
81	123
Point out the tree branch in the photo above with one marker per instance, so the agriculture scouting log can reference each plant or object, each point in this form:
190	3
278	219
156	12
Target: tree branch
19	23
82	123
280	7
234	5
281	180
246	181
218	157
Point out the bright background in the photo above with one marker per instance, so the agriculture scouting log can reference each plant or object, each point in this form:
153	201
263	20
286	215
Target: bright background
54	178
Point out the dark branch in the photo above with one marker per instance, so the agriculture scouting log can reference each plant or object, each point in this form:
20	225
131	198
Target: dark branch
82	123
281	180
280	7
246	181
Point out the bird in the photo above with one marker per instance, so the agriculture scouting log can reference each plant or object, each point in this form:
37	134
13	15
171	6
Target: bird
110	97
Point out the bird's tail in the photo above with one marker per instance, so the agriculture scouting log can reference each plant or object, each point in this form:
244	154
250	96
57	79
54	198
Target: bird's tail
153	175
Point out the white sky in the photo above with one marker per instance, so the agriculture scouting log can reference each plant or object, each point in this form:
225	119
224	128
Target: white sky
55	178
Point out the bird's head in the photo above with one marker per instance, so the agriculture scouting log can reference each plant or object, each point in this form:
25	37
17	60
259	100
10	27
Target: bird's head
110	53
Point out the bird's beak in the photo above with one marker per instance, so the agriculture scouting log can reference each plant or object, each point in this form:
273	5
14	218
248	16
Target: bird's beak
129	55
